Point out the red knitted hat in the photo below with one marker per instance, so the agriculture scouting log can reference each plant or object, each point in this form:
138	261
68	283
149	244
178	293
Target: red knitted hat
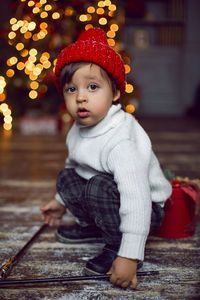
92	46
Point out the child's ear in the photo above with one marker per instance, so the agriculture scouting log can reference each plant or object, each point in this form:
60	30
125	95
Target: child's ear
116	96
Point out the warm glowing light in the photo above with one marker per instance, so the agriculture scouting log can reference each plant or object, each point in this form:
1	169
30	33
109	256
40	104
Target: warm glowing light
2	81
33	77
31	3
103	21
43	1
35	37
107	2
111	42
7	126
46	54
89	17
47	64
55	16
20	23
41	35
31	26
127	69
7	112
88	26
29	67
32	59
112	7
43	25
36	10
48	7
33	94
40	66
90	9
9	63
130	108
24	53
13	21
13	60
101	4
129	88
54	62
15	27
111	14
10	73
69	11
19	46
38	4
83	18
27	71
111	34
37	71
34	85
114	27
100	11
44	15
2	78
24	29
1	90
43	59
27	35
20	66
3	107
12	35
2	97
8	119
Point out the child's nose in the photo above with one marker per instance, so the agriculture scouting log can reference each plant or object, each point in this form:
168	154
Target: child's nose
81	97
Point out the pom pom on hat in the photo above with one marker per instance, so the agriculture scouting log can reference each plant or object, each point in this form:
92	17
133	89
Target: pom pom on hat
92	46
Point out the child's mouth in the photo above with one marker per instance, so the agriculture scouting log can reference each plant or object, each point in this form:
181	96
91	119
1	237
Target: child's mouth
82	113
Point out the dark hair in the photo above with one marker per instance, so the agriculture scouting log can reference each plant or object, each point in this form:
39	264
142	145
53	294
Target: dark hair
69	70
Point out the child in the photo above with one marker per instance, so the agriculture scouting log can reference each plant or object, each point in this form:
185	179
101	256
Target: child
112	182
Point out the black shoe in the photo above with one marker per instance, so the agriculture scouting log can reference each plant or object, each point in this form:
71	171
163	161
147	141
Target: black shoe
102	263
77	234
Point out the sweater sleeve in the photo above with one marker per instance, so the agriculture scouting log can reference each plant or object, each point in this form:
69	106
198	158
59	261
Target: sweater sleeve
129	166
160	187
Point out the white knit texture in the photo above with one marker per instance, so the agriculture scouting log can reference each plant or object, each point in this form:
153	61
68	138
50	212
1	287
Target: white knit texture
118	145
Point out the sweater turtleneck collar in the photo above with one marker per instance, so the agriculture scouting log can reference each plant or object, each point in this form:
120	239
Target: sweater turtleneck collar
114	116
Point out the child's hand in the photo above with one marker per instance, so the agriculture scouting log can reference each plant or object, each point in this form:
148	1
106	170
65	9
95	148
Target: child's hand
52	212
124	272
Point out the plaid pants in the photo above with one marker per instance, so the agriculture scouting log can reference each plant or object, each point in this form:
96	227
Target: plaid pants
96	202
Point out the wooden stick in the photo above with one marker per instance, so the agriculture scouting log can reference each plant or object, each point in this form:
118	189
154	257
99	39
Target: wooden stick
69	279
7	267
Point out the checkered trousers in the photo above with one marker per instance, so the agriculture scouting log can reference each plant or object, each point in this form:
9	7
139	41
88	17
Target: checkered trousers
96	202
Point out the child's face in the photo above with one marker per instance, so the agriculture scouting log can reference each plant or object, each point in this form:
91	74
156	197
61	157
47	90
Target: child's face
89	95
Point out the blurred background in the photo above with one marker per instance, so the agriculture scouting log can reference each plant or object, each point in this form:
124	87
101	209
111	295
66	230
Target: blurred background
158	40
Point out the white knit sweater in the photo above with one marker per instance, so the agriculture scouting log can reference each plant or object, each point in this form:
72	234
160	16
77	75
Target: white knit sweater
118	145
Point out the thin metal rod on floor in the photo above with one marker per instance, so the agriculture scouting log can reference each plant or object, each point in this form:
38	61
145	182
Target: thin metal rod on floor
7	267
69	279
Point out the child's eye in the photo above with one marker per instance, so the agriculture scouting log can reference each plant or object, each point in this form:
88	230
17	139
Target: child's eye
70	89
92	87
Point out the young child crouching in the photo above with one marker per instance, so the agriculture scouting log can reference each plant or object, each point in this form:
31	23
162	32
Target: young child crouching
112	182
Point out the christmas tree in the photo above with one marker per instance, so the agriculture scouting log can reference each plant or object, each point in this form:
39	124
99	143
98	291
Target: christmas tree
36	33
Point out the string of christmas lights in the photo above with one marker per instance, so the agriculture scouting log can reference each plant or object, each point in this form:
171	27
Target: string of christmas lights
31	25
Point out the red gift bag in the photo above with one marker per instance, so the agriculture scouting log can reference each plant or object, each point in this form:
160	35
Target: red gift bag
179	220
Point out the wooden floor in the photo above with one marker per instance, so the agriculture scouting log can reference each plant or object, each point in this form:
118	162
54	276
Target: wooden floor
28	170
